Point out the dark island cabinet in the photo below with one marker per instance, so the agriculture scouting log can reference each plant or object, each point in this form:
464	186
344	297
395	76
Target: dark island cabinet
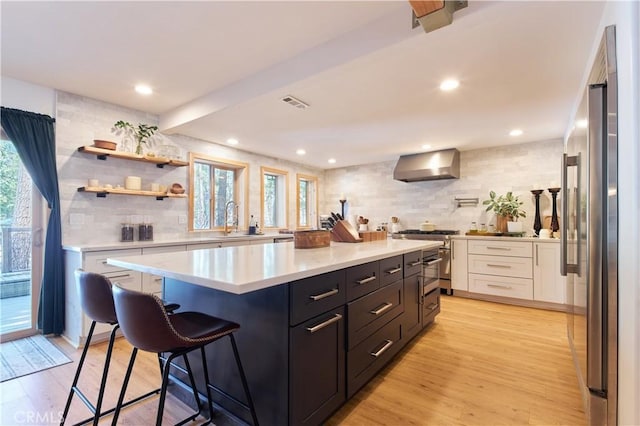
317	368
308	345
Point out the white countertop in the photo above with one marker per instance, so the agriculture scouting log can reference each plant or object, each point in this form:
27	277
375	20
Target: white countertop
244	269
494	238
165	243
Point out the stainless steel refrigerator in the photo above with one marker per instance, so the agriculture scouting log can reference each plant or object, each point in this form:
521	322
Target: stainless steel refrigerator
590	237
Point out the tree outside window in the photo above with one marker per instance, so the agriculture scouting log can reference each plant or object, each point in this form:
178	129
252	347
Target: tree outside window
307	201
274	198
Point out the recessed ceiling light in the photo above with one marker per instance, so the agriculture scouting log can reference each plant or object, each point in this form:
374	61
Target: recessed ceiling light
582	124
331	161
143	89
232	141
515	132
449	84
301	152
426	146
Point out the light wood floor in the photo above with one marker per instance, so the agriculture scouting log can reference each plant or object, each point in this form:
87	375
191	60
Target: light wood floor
481	363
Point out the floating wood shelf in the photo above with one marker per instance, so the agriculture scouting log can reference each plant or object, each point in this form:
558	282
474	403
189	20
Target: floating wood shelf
160	162
102	192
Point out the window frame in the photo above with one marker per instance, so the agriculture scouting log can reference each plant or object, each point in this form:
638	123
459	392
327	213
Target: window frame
284	207
241	189
310	214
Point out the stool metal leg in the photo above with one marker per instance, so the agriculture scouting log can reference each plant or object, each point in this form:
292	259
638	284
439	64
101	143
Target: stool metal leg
205	370
127	376
243	378
72	391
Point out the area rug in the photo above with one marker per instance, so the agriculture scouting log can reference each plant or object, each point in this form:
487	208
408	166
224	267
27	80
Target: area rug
29	355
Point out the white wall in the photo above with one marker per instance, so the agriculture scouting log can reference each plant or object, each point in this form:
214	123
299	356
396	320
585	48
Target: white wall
79	120
27	97
372	192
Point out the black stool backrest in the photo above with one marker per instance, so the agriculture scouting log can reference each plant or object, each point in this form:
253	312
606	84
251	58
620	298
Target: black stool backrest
95	295
144	321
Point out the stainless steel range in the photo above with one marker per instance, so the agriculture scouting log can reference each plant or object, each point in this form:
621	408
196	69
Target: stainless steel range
443	252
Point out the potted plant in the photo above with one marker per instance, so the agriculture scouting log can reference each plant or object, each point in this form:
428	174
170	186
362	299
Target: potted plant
507	209
142	133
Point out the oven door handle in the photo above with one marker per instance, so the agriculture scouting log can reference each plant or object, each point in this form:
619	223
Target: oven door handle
433	262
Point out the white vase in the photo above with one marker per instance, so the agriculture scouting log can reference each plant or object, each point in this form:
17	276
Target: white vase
514	226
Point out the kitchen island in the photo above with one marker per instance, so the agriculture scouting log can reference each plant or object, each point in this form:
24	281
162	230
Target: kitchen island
316	324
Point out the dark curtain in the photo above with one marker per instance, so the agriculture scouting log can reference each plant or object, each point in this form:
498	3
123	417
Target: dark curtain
34	138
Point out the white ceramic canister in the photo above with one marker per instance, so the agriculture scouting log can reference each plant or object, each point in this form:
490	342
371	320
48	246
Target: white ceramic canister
133	183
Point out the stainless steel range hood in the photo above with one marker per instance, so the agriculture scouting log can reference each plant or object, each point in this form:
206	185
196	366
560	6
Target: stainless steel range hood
434	165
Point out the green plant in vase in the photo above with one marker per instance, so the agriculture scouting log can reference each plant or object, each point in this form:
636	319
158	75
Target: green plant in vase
506	207
142	133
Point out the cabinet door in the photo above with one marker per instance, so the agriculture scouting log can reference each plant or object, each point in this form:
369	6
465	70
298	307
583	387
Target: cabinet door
412	317
548	284
317	368
459	269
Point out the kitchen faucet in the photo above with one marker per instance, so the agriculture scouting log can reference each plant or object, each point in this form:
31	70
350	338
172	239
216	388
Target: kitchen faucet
234	216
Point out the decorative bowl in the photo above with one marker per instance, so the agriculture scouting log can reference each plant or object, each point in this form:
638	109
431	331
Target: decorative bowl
176	188
104	144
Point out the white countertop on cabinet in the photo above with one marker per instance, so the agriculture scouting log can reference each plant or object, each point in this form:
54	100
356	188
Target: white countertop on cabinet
494	238
244	269
166	243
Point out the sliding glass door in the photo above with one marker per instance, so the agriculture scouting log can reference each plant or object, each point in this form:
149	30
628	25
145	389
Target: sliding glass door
21	228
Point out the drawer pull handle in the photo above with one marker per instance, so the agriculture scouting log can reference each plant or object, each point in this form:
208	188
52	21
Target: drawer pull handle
335	318
393	271
366	280
381	309
316	297
383	349
499	286
432	306
433	262
158	280
416	263
498	248
120	276
498	266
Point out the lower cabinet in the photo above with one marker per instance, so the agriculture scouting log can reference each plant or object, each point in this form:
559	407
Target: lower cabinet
549	285
317	368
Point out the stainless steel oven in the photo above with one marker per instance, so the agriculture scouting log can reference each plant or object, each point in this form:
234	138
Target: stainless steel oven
430	298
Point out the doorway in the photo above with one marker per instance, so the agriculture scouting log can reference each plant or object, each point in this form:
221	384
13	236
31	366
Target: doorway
21	243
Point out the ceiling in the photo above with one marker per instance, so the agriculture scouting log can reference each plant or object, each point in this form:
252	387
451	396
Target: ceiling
220	69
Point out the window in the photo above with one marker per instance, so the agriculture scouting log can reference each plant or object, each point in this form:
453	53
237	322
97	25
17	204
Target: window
307	201
214	183
274	199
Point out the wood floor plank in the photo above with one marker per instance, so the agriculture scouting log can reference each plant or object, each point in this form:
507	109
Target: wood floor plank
481	363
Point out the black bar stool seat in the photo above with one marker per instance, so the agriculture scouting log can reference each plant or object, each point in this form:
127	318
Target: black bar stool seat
147	326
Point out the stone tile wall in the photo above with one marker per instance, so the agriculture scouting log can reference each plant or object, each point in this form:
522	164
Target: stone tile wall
87	219
372	192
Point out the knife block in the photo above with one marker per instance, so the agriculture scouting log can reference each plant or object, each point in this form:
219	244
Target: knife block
344	232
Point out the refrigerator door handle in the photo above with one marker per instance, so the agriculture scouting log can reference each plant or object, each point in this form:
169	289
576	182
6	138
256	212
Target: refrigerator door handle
565	266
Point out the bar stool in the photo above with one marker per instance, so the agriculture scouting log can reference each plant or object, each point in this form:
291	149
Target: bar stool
146	325
96	300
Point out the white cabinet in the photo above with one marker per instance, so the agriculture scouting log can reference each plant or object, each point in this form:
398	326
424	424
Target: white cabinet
459	279
501	268
549	285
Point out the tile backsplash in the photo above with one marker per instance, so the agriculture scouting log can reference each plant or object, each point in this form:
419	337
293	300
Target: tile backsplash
371	191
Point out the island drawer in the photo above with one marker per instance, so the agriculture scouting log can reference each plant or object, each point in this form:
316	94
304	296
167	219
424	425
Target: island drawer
501	248
366	359
521	267
390	270
368	313
313	296
431	306
520	288
362	279
412	263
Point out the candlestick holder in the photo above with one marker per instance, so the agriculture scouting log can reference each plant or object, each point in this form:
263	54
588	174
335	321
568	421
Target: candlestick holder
555	226
342	202
537	224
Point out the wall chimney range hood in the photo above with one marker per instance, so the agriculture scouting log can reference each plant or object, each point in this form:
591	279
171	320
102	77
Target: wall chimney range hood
436	165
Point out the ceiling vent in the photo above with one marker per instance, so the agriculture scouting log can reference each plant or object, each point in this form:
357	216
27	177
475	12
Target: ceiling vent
434	14
295	102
